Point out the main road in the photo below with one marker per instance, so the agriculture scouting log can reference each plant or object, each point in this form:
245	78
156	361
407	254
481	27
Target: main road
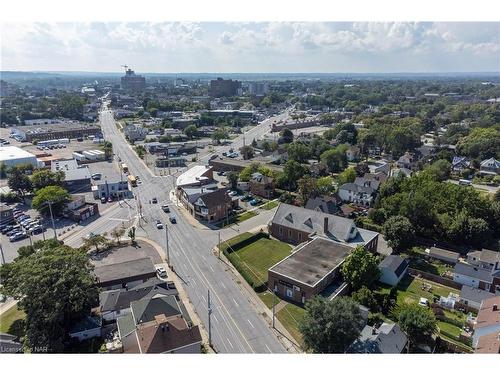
236	325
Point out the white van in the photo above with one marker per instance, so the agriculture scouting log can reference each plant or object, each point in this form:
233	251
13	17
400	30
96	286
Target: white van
463	181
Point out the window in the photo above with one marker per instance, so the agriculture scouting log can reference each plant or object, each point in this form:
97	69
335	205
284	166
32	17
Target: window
300	236
281	230
289	293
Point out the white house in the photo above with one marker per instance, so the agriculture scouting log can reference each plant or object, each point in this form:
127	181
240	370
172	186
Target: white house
392	269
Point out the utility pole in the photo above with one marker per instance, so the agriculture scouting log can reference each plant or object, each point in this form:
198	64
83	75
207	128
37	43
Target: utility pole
209	320
274	306
52	218
218	246
166	239
1	252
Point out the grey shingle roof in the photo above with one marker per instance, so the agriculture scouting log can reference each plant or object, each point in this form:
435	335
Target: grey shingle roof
385	340
474	272
309	221
123	270
475	295
145	310
395	264
451	256
328	205
350	186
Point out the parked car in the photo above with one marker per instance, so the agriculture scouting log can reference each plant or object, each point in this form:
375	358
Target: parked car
161	272
247	198
255	201
110	199
159	224
103	200
172	219
96	176
165	208
214	157
220	173
7	228
154	200
18	236
233	193
37	229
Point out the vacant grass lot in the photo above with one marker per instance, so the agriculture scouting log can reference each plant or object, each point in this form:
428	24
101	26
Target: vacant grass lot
253	260
237	219
269	205
11	321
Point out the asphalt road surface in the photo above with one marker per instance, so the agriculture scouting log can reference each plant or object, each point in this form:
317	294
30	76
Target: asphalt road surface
236	326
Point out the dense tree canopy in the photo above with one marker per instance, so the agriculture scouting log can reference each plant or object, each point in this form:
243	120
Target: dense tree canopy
418	323
55	288
360	268
44	177
55	194
330	326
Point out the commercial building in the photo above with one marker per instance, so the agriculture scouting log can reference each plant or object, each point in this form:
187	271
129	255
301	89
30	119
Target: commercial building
224	87
56	131
207	203
198	175
132	82
11	156
6	214
79	210
125	274
309	270
116	189
77	178
258	88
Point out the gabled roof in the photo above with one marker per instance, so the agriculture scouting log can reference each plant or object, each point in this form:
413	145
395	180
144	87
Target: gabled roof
487	315
124	270
326	204
436	252
338	228
473	294
350	186
474	272
489	256
388	339
145	310
213	199
395	264
491	163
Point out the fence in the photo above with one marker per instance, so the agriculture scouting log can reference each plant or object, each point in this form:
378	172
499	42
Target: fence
435	278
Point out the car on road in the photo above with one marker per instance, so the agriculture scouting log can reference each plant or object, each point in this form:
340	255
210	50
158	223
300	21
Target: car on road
255	201
103	199
17	236
220	173
96	176
37	229
154	200
247	198
159	224
172	219
214	157
165	208
233	193
161	272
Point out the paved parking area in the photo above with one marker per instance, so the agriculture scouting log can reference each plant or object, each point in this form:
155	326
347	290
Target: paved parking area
126	253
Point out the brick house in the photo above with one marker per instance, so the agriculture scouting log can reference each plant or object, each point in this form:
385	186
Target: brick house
295	225
261	185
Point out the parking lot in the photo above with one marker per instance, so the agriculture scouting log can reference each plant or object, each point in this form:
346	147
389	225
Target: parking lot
66	152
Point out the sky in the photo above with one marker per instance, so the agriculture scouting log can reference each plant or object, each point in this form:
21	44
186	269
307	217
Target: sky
315	47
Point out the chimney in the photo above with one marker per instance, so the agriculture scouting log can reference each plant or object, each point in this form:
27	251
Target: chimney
495	307
325	225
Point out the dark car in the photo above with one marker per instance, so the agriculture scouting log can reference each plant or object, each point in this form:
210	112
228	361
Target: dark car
103	200
165	208
154	200
172	219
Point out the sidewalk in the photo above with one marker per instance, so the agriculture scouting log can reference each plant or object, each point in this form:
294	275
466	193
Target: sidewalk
182	295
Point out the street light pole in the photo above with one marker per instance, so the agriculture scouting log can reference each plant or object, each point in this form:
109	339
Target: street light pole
52	218
166	239
209	320
1	252
218	246
274	306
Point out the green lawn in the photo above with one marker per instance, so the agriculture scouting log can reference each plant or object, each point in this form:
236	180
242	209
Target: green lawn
267	298
11	321
449	328
269	205
434	267
255	259
237	219
290	316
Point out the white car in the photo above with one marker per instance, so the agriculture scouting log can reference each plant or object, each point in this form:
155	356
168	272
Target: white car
161	272
159	224
423	302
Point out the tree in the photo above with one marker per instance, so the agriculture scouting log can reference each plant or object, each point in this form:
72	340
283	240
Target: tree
19	182
55	287
308	188
286	136
361	169
131	234
140	151
191	131
232	178
481	143
360	268
44	177
117	233
325	185
247	172
99	241
439	170
349	175
335	159
399	233
55	194
220	134
330	326
71	106
107	147
366	297
418	323
292	172
298	152
247	152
